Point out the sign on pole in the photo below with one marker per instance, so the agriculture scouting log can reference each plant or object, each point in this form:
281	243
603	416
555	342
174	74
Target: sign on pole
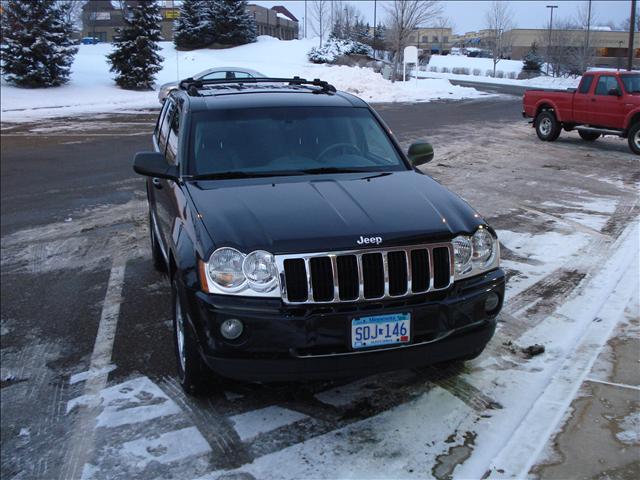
410	56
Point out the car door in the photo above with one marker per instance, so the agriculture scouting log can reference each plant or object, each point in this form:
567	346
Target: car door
582	100
607	110
168	195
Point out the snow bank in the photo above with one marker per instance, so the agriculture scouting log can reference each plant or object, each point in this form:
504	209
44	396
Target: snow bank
371	87
483	64
537	82
91	88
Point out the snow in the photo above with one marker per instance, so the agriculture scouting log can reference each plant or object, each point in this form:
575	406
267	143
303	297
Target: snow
631	429
543	253
253	423
507	67
483	64
165	448
92	90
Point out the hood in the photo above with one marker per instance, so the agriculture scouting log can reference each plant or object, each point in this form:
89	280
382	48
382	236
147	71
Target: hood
330	212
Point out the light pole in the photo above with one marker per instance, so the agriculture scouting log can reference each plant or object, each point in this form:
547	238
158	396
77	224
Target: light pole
632	26
551	7
375	26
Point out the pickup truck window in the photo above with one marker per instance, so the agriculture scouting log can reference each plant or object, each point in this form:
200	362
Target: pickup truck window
585	84
606	83
289	141
631	83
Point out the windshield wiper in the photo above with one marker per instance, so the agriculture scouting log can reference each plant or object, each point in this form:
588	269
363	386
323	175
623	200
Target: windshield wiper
333	170
240	174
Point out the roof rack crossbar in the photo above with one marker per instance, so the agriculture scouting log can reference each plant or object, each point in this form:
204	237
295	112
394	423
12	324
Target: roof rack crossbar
193	86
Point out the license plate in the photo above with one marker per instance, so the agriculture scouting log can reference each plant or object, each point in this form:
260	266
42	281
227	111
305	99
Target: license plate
380	330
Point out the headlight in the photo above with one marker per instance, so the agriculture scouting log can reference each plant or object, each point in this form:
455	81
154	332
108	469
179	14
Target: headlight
259	268
225	268
476	254
482	246
229	271
462	253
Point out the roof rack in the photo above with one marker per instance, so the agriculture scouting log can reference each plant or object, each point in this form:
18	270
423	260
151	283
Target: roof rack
192	87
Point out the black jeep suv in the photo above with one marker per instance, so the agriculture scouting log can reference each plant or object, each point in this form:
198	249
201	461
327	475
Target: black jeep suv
302	243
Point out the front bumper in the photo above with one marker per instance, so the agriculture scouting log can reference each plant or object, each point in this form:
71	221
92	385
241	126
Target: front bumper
282	342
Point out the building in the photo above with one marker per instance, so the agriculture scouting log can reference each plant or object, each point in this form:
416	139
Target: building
102	19
610	47
277	22
432	40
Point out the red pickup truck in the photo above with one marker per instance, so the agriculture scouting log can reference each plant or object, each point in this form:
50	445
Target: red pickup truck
605	103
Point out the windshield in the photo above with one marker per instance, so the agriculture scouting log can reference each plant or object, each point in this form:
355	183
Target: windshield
631	83
289	141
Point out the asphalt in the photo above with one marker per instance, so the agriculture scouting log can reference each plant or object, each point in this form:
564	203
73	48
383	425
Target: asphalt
71	205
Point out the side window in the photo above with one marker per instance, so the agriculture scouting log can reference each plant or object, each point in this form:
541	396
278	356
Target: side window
606	83
585	85
163	112
215	76
172	142
164	126
242	75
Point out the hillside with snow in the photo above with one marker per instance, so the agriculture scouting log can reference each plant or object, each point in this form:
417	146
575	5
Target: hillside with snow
91	89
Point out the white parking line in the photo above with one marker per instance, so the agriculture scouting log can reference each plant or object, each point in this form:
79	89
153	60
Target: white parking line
82	440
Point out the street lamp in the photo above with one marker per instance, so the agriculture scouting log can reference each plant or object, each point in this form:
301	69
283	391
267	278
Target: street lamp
551	7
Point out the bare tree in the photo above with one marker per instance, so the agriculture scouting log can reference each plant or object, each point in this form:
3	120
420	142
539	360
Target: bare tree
320	12
585	18
404	16
344	18
72	11
499	20
442	23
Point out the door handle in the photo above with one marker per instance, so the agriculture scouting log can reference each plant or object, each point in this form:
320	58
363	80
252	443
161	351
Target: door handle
156	183
593	99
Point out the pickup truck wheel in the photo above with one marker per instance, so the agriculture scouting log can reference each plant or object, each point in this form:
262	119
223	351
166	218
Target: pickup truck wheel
634	138
588	136
194	376
547	127
158	259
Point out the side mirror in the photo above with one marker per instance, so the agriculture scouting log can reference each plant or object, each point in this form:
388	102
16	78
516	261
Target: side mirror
153	164
615	92
420	153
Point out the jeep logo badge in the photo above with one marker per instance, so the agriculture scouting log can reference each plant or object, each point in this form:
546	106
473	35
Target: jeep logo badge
369	240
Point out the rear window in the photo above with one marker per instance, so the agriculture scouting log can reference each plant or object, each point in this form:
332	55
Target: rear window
279	140
585	85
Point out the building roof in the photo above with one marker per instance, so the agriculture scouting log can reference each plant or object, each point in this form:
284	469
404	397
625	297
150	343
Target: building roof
284	11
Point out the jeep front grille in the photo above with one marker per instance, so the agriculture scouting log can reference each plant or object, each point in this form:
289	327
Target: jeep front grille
372	274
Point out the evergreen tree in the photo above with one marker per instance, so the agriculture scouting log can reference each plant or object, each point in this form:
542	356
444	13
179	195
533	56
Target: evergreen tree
230	23
135	58
192	29
37	50
532	60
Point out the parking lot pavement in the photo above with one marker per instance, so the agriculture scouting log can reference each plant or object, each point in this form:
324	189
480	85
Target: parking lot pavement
88	387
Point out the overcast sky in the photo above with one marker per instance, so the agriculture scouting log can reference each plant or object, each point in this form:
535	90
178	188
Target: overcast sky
469	15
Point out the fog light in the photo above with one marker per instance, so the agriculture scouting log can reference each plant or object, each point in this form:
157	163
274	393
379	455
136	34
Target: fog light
231	328
491	303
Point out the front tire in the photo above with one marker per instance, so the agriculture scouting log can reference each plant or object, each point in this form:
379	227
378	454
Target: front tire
194	376
634	138
547	126
588	136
